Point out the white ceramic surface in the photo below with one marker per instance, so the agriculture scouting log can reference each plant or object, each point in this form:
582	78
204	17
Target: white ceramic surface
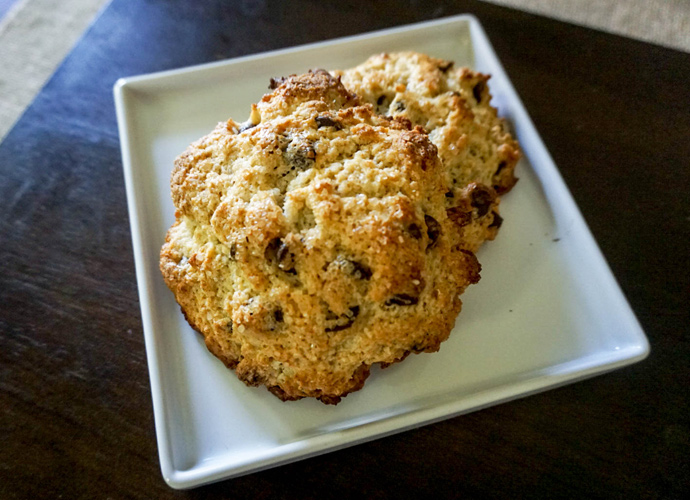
546	312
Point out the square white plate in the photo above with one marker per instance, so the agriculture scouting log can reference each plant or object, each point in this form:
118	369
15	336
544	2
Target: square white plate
546	312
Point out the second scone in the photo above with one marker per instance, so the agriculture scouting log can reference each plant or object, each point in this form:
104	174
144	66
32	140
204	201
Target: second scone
453	106
313	242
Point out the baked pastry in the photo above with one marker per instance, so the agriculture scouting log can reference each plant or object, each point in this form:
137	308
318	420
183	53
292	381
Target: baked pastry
312	241
453	106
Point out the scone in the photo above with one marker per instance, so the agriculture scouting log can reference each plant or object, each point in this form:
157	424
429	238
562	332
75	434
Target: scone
313	241
453	106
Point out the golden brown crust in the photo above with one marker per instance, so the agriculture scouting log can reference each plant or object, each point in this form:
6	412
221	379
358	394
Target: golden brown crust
313	241
453	106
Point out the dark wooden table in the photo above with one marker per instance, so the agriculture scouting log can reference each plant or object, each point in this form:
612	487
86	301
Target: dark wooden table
76	419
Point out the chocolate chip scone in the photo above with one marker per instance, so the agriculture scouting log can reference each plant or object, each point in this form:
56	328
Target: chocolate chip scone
453	106
312	241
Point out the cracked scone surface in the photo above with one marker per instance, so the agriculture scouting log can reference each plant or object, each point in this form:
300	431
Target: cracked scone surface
313	242
453	106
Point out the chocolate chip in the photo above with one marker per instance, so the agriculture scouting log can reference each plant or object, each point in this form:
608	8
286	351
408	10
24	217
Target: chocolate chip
342	321
481	200
246	126
399	106
449	194
360	271
501	166
459	216
233	252
501	189
402	300
300	155
274	83
279	253
498	220
433	231
253	378
477	91
414	231
445	66
383	104
286	259
327	121
274	321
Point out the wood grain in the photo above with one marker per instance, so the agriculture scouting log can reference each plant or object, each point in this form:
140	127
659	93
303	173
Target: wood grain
76	417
